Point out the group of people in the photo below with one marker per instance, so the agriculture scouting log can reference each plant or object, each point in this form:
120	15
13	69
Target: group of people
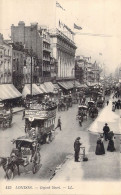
108	136
100	150
116	105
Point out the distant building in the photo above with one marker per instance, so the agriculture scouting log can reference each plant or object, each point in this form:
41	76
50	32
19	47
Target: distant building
79	69
30	37
27	69
87	71
46	53
5	61
17	64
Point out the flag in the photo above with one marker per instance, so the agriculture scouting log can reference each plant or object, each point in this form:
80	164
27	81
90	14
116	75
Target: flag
77	27
58	5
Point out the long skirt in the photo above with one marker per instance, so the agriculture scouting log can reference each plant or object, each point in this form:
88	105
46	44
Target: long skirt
100	149
111	147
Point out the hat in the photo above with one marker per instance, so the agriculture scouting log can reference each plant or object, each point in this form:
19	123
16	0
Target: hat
34	144
78	138
13	154
106	124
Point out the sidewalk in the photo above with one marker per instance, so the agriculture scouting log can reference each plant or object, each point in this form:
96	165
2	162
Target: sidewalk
107	116
98	167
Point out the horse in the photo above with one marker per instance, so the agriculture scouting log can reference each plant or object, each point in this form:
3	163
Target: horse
62	106
93	112
9	165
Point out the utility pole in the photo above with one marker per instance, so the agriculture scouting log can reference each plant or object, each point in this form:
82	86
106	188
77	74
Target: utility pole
31	74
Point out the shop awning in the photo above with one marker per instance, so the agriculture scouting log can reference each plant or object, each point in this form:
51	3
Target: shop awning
67	84
48	87
8	91
35	90
78	85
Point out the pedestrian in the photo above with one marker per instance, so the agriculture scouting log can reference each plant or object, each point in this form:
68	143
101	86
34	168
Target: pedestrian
23	114
100	150
113	108
111	146
77	145
59	123
106	130
107	102
80	117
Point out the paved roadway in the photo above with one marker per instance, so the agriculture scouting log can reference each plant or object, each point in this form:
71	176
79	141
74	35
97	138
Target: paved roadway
56	153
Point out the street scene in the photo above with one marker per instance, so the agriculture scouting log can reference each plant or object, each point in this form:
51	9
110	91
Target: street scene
60	101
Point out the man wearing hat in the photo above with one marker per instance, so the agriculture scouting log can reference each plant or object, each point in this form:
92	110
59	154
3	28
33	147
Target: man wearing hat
77	145
106	130
59	123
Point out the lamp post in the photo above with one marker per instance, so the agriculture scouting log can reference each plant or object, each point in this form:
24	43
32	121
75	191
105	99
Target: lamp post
73	70
31	74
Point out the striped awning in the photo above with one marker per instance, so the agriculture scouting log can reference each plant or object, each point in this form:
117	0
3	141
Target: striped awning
8	91
48	87
67	84
35	90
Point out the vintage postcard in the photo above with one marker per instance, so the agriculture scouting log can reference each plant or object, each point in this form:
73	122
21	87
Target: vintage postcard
60	97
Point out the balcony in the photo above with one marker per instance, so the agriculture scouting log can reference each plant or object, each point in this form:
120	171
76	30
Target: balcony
46	59
46	40
46	49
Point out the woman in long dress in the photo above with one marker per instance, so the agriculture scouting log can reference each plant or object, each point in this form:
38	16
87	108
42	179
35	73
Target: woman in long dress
100	150
111	146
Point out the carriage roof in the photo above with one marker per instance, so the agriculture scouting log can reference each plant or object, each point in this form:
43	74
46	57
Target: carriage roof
82	106
91	102
25	139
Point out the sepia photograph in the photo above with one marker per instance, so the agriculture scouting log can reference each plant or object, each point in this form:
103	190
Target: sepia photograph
60	97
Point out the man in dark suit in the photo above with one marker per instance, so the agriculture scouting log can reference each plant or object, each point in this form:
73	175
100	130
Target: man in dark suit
106	130
77	145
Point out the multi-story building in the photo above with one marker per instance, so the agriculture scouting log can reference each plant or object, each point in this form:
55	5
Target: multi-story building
30	69
79	69
46	51
63	45
31	38
5	61
17	64
63	50
89	72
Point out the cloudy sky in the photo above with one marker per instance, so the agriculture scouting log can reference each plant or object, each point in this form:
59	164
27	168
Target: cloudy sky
99	19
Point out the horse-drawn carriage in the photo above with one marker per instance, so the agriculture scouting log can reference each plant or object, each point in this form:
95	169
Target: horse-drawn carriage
92	109
68	100
26	151
41	118
82	113
62	106
5	117
100	101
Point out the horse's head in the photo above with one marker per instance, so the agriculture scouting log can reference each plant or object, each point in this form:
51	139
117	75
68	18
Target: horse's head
3	161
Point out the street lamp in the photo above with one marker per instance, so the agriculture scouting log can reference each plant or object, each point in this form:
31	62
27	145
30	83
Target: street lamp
73	74
31	73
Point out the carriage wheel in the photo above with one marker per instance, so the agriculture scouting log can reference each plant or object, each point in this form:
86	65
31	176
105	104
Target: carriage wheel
9	174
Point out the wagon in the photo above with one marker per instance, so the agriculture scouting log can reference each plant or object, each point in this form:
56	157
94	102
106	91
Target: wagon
26	151
82	111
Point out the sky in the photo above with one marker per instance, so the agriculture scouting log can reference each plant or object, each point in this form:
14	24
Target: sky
100	36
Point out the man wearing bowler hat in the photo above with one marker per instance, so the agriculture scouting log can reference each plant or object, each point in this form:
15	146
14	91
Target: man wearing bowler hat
106	130
77	145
